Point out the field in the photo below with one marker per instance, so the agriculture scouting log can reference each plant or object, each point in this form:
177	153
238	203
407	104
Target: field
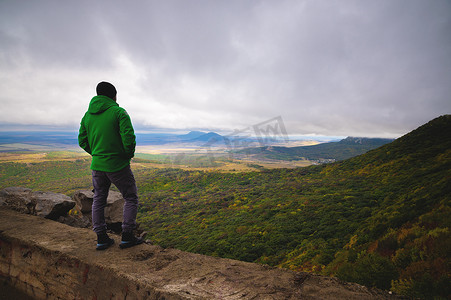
69	170
181	159
36	157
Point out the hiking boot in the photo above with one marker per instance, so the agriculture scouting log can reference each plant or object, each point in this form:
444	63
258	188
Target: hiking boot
103	241
129	240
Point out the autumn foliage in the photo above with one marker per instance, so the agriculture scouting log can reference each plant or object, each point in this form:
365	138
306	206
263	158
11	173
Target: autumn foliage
379	219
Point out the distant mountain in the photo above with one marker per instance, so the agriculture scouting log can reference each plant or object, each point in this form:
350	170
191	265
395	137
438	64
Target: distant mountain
197	137
332	151
191	135
365	141
209	137
39	137
70	138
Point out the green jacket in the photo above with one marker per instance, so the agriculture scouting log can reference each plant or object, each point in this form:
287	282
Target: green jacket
106	132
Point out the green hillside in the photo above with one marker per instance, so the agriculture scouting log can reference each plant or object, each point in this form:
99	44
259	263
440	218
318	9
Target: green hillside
379	219
344	149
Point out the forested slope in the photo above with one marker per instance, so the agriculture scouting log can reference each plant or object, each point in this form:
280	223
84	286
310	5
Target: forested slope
344	149
380	219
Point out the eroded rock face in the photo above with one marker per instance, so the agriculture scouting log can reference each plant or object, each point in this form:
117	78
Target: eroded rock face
44	204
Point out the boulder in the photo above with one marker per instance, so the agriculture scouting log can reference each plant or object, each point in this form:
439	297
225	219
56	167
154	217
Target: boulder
56	206
17	198
44	204
83	199
113	209
51	205
79	220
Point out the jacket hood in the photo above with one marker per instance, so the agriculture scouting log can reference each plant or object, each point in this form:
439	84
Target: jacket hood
100	103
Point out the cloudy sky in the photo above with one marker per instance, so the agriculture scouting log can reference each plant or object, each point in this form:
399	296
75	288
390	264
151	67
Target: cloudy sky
327	67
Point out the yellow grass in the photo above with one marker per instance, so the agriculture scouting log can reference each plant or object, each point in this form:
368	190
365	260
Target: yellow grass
36	157
234	165
230	166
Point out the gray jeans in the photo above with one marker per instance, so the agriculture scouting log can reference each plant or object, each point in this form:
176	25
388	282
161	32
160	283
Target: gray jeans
125	182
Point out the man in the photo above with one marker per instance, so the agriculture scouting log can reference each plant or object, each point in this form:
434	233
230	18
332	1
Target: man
106	132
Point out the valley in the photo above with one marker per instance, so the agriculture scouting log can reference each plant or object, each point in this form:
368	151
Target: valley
379	219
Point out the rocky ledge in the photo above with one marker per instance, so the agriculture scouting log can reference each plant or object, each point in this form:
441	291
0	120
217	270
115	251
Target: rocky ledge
56	206
51	260
44	204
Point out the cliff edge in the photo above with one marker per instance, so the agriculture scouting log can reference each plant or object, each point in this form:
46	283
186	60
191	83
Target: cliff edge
50	260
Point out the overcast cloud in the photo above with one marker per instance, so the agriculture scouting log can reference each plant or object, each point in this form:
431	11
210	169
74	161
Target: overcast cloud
338	67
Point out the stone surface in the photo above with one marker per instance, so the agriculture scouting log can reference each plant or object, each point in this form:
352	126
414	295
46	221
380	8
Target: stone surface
18	198
50	260
83	199
113	209
51	205
44	204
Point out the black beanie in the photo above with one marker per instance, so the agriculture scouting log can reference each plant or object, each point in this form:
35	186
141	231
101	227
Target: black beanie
106	89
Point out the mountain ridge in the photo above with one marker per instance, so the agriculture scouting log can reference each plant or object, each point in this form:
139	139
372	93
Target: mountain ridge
341	150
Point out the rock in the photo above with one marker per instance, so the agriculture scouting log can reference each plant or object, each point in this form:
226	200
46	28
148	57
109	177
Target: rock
44	204
79	221
56	206
49	260
17	198
113	209
51	205
83	199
